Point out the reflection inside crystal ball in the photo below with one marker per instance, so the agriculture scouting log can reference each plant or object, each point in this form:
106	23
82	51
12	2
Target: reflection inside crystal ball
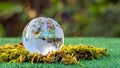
43	35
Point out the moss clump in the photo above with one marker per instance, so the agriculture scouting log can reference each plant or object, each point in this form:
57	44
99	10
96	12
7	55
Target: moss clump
67	55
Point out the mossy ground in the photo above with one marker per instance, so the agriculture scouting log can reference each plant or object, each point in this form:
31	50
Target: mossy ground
112	45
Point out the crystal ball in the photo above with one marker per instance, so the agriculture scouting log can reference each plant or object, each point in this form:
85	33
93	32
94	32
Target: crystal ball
43	35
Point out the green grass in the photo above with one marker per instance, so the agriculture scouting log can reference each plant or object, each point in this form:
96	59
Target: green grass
112	45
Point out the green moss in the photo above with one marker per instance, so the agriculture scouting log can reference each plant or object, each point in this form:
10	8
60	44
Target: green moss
71	54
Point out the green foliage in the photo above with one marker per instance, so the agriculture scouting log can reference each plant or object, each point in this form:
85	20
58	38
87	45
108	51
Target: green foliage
77	17
7	9
86	18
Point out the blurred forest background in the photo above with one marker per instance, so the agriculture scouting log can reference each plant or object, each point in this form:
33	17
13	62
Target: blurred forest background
98	18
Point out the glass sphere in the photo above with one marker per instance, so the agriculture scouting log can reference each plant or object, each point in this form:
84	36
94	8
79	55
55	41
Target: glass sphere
42	35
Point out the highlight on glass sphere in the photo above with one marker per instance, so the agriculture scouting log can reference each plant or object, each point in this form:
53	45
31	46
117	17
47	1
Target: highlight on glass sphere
43	35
